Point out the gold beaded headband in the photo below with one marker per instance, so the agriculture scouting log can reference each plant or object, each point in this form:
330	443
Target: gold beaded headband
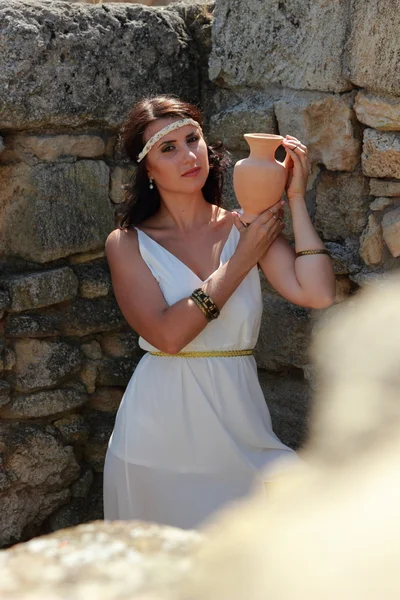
157	136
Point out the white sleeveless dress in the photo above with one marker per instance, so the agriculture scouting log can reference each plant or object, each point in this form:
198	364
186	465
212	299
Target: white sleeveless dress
192	434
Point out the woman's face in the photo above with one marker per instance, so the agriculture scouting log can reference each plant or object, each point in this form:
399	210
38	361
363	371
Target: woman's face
178	162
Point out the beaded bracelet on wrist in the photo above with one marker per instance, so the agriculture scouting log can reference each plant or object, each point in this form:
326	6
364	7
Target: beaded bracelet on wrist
205	303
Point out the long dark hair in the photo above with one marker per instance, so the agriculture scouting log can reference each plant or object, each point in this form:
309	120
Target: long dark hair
140	201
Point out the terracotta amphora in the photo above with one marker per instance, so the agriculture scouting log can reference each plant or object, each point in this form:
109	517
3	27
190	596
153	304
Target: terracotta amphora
259	180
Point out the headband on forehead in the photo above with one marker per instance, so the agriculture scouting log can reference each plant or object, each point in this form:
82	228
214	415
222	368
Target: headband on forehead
157	136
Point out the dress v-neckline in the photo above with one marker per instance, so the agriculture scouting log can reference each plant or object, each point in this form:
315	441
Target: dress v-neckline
184	264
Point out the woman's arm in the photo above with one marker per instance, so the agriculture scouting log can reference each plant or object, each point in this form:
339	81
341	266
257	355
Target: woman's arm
308	281
171	328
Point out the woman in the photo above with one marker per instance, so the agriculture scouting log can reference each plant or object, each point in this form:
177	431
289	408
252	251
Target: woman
193	431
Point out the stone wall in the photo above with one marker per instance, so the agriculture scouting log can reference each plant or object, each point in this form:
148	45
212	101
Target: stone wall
316	69
68	74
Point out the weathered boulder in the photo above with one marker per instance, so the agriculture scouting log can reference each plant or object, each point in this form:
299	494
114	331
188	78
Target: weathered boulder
78	65
341	205
371	56
323	122
133	560
36	470
49	211
294	44
381	154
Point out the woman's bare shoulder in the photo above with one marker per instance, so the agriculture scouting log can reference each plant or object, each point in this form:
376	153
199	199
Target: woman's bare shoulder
120	239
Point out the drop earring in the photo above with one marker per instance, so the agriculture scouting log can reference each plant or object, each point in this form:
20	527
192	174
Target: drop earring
151	186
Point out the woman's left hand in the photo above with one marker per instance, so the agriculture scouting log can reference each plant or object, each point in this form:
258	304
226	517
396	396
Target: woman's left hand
298	166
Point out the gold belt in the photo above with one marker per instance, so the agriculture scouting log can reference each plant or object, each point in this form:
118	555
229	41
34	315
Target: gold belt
205	354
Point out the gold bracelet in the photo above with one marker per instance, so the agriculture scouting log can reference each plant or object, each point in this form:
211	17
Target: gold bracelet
307	252
205	303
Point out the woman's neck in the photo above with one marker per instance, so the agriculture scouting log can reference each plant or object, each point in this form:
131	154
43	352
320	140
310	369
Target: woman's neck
185	213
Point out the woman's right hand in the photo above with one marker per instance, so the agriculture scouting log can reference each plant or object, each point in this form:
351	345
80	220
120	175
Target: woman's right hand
257	237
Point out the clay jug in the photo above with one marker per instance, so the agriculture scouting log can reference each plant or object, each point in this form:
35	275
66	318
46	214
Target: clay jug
259	180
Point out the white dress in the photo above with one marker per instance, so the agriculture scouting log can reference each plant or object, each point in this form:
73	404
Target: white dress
192	434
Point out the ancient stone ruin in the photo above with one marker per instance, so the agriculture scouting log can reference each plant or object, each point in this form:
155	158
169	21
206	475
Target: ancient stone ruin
69	73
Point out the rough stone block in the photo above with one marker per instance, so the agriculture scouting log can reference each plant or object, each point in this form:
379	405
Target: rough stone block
49	211
5	390
391	231
56	147
81	487
344	256
366	278
379	112
380	203
106	399
292	44
73	428
78	259
34	324
101	425
371	56
229	126
45	403
86	316
120	344
382	187
288	399
343	289
92	350
38	469
83	316
120	176
5	302
116	371
341	205
43	364
94	279
77	65
44	288
88	375
324	123
381	154
283	339
371	242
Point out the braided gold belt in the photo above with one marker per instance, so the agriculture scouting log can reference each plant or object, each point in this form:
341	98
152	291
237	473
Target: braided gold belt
204	354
